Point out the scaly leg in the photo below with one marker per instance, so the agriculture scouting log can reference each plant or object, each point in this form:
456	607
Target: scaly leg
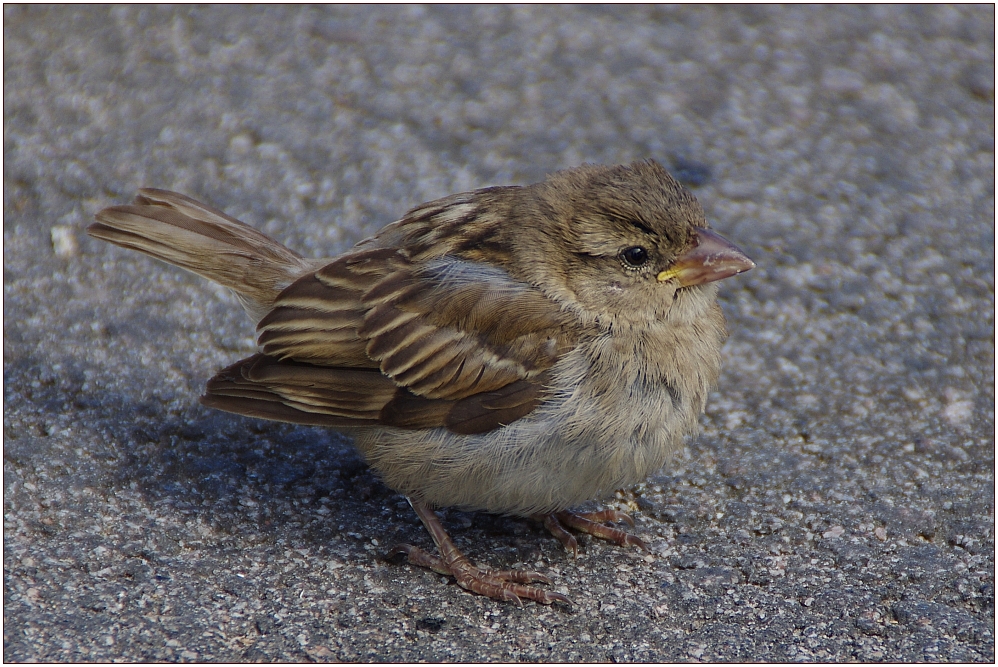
593	524
510	585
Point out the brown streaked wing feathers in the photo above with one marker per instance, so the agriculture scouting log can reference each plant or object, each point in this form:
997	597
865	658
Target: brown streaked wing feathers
264	387
459	343
445	329
489	410
261	386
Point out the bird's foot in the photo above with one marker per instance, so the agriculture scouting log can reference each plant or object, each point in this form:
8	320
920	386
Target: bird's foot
509	585
592	523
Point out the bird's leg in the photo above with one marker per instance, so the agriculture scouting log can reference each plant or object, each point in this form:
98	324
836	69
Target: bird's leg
593	523
510	585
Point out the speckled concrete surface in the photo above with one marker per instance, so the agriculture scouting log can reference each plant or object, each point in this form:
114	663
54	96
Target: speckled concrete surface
839	504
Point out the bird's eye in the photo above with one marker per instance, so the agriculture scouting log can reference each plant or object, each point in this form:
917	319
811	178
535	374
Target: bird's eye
634	256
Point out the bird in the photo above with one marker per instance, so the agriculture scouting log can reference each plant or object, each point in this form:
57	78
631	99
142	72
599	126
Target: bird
517	350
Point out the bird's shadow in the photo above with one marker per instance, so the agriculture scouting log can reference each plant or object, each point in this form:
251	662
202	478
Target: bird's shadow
286	483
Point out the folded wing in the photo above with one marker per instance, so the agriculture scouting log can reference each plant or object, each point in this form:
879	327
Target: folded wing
376	338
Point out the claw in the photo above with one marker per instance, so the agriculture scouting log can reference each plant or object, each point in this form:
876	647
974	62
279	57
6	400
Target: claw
398	549
566	538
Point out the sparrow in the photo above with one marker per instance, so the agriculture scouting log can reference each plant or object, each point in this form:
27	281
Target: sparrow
516	350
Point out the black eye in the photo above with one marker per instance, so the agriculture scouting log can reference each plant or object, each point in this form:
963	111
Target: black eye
634	256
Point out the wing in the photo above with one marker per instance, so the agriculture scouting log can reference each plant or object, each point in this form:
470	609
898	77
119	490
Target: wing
375	338
267	388
446	328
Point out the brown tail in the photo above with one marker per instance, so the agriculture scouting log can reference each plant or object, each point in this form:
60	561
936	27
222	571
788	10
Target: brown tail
184	232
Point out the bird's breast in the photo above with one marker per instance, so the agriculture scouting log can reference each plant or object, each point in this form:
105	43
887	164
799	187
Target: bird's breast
614	414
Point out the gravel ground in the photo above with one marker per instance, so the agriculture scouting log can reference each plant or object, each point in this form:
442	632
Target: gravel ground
839	502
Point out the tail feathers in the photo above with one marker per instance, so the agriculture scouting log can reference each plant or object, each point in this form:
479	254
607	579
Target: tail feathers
184	232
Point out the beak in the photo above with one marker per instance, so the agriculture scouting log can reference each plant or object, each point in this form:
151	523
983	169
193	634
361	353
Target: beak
712	258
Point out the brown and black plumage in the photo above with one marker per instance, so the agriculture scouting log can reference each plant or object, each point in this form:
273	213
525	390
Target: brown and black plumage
516	350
